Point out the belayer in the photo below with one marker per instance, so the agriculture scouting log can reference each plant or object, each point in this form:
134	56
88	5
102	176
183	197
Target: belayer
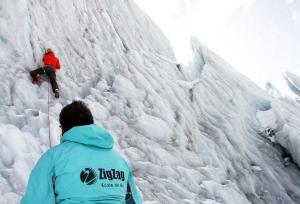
84	168
51	64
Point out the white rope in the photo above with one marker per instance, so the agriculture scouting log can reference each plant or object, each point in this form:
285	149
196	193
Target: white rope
49	123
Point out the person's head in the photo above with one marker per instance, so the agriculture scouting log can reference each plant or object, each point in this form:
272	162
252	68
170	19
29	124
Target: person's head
48	50
75	114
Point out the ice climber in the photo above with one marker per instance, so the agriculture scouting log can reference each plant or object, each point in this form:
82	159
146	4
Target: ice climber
83	168
51	64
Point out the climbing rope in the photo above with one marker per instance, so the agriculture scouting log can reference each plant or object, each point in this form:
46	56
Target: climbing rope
49	123
49	136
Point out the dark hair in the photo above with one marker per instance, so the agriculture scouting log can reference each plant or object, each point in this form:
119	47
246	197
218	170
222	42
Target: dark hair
75	114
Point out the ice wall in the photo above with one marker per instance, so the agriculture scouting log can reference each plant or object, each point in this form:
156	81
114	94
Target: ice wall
191	138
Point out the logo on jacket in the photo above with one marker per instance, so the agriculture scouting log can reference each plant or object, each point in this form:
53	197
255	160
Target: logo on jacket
89	176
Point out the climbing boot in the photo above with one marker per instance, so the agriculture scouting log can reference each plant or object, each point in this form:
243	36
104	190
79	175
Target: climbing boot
56	93
36	79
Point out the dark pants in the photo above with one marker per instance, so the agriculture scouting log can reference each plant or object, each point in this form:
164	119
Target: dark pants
50	71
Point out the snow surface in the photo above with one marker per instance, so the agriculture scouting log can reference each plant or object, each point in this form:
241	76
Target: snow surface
193	135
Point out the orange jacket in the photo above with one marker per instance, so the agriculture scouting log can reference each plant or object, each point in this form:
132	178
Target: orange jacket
51	60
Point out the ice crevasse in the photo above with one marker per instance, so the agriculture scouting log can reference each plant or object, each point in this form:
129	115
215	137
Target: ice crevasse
192	135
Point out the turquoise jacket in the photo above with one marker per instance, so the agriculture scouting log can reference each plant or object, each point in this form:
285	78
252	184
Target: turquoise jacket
84	169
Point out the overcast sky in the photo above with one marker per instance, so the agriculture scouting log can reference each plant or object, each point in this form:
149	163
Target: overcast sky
260	38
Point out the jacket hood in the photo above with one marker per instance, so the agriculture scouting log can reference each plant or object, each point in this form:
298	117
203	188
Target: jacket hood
89	135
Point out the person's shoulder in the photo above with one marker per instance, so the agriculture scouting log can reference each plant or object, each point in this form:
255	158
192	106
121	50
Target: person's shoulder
56	150
55	56
122	159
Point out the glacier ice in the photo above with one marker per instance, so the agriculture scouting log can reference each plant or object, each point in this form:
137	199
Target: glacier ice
293	82
272	90
192	136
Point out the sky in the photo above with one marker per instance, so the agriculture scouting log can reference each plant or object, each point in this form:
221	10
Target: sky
260	38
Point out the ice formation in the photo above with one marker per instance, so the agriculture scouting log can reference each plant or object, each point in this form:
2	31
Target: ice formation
272	90
293	82
192	135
